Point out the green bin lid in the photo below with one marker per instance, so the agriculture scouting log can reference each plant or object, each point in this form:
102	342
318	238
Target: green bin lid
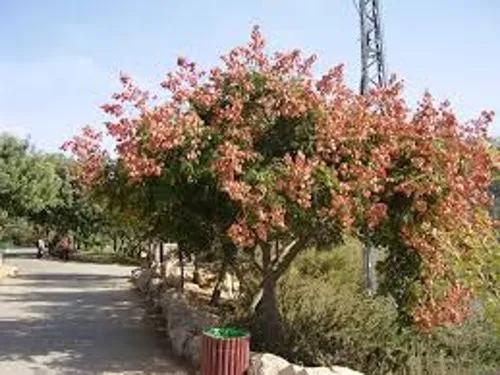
225	332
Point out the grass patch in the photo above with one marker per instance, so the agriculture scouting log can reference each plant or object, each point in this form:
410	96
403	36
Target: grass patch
104	258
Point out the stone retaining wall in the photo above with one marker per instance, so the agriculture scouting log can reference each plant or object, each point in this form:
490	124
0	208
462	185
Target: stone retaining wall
270	364
185	323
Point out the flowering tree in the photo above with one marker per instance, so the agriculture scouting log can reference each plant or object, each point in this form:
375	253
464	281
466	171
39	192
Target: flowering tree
282	161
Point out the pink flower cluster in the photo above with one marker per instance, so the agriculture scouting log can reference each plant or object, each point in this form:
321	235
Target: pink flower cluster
361	152
90	157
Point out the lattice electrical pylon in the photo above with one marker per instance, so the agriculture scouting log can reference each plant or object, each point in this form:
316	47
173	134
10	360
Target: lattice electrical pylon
373	75
372	46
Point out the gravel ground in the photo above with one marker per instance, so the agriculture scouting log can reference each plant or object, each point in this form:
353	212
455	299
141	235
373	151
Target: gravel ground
74	318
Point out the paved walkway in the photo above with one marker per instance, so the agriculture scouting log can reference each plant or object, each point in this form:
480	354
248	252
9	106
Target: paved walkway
75	318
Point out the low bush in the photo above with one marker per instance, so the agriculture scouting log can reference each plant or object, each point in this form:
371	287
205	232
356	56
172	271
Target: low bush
5	244
17	232
329	320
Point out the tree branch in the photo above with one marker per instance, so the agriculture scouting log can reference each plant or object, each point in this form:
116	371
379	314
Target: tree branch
278	268
284	253
287	257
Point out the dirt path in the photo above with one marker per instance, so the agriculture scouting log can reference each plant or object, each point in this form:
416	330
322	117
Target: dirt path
74	318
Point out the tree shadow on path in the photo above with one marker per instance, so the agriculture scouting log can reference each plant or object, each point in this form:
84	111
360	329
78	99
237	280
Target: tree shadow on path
79	324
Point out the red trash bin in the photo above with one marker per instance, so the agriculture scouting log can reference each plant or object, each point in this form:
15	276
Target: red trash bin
225	351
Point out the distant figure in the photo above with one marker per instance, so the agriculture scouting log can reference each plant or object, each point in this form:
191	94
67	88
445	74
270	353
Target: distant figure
40	244
65	248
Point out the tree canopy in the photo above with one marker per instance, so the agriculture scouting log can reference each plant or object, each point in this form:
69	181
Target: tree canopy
28	182
38	190
261	154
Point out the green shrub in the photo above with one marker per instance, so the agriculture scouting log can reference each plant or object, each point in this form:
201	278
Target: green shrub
329	320
5	244
17	232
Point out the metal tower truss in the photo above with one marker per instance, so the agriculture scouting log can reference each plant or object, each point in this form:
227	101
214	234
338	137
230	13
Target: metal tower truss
373	75
372	47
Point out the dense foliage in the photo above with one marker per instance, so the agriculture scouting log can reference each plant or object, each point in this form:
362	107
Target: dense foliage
260	155
39	197
28	182
329	320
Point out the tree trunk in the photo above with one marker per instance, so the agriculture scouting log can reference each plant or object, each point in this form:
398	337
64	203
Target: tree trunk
181	264
196	271
243	284
277	268
162	260
214	300
122	244
268	315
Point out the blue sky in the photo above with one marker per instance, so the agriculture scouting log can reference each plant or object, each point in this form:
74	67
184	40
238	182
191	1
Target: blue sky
60	59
